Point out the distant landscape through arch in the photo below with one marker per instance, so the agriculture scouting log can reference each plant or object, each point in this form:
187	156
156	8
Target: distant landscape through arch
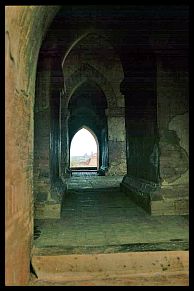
84	150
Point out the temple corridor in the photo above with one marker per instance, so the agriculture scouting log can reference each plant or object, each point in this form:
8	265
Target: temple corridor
97	217
97	145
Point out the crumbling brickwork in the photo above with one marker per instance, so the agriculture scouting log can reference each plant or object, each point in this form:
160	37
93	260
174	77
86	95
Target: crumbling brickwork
22	24
144	62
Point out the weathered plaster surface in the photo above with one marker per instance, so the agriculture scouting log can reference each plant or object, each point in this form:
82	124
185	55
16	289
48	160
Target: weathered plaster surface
24	29
116	129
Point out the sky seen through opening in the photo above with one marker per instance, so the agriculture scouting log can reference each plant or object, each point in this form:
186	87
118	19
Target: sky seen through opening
83	143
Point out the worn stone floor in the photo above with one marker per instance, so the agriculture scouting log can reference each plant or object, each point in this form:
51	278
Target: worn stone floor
98	218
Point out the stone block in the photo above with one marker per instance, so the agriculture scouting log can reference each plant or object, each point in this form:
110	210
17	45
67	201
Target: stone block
47	210
170	207
71	267
157	200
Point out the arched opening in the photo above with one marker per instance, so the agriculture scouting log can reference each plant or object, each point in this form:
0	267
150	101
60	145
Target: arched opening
84	150
146	112
86	109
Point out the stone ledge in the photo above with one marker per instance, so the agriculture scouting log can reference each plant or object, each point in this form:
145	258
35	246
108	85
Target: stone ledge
170	207
139	191
117	278
48	210
155	199
130	262
140	184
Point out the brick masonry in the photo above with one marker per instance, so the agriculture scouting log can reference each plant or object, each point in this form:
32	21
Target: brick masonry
20	60
23	23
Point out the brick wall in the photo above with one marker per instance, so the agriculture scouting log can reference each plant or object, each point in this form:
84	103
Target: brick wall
23	23
42	136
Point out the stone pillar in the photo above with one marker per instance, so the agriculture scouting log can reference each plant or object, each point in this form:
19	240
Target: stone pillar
49	204
116	141
65	114
139	90
157	149
42	181
173	124
103	158
54	136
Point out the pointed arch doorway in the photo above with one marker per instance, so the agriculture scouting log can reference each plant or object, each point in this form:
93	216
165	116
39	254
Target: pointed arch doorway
84	151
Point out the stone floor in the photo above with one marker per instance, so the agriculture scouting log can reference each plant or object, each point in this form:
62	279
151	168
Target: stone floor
87	181
98	218
86	173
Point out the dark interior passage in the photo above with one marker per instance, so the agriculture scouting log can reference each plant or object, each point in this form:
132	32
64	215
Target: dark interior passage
87	110
122	73
96	217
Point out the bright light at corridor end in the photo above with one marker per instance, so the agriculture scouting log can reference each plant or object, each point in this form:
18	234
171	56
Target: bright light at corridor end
83	143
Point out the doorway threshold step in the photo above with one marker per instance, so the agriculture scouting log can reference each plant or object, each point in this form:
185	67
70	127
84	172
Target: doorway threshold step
94	266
